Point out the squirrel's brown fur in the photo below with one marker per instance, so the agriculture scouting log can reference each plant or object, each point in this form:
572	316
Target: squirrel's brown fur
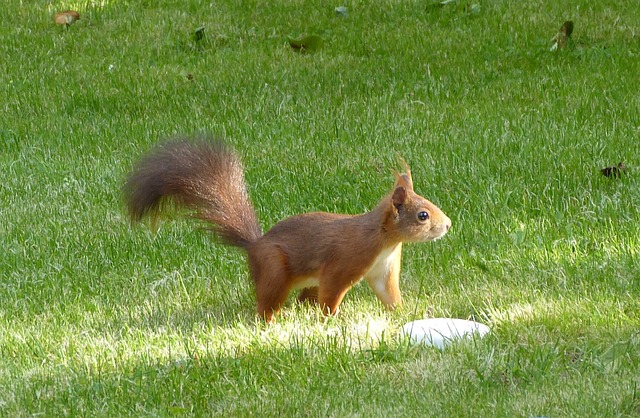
323	254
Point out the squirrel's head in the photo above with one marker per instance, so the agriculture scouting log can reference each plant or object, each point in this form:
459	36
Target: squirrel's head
414	218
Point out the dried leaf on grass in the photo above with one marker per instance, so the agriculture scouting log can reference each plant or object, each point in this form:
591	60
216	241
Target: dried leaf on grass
614	171
560	40
307	44
66	18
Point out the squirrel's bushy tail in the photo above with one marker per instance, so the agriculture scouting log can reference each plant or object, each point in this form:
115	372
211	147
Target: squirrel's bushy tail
204	175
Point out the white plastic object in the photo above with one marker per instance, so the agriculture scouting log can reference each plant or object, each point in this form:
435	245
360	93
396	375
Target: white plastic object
440	332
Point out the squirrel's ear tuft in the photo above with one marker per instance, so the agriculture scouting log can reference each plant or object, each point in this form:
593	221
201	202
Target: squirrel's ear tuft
404	179
399	197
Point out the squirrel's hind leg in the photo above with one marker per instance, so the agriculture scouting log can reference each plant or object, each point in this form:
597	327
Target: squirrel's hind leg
272	279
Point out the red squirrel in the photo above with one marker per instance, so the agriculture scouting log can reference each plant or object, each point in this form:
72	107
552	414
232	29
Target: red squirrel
323	254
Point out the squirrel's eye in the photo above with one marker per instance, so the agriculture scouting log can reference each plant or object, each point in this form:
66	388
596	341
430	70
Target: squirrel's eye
423	216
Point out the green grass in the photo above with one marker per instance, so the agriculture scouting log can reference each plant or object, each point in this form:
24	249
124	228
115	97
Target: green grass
99	319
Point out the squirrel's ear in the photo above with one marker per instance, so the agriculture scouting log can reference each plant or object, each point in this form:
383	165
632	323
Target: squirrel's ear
399	197
404	179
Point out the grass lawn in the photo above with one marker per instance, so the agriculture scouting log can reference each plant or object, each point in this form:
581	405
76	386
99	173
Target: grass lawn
507	137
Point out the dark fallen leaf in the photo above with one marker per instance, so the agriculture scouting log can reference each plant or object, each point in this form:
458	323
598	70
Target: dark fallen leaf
198	35
560	40
307	44
567	28
614	171
189	76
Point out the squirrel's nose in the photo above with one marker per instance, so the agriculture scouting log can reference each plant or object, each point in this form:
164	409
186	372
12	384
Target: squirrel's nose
447	224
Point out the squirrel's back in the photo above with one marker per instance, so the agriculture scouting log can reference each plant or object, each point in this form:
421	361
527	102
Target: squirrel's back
206	176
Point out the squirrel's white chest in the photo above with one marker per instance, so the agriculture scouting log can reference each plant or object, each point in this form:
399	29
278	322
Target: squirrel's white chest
384	262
